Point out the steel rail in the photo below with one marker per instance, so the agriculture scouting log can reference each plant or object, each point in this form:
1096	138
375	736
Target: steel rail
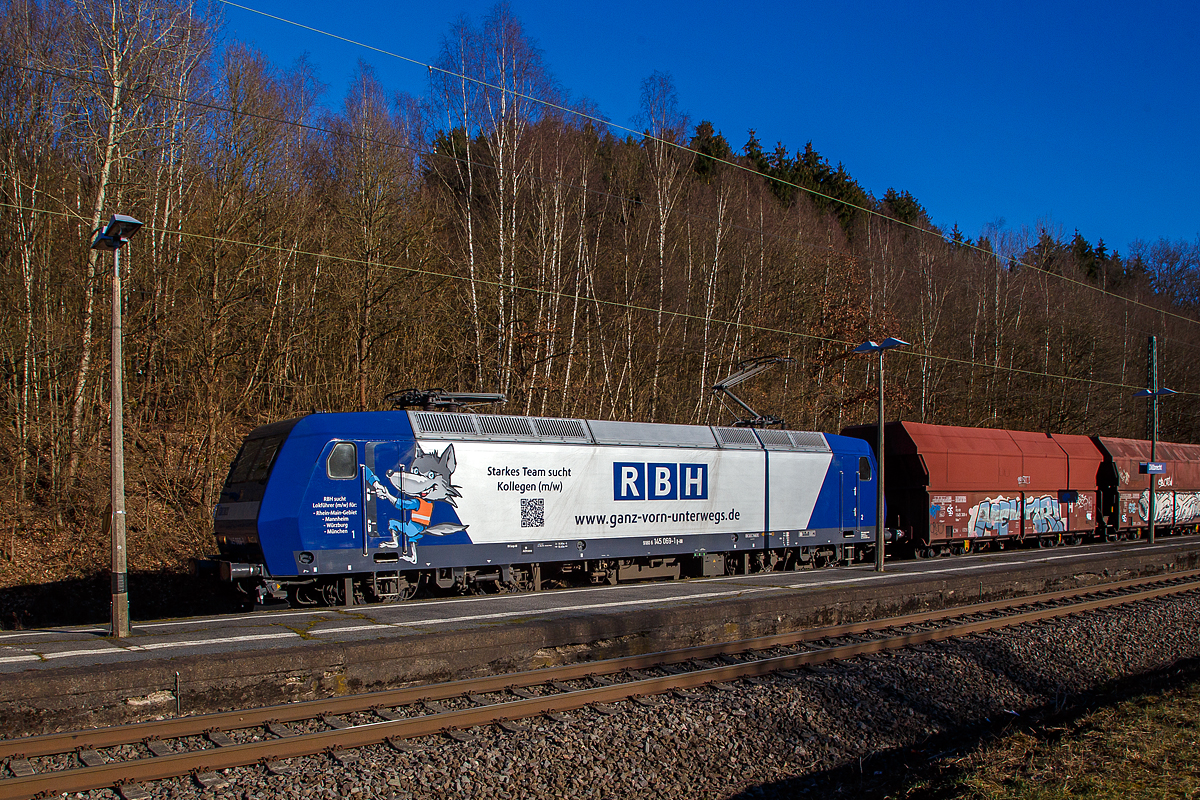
160	767
54	743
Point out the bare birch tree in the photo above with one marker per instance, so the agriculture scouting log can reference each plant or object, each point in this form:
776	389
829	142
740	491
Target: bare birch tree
120	54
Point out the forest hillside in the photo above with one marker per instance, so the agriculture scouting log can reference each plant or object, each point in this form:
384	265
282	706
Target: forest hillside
473	238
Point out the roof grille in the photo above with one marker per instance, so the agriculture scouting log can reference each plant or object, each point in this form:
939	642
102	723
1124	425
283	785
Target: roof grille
771	437
736	436
435	422
505	426
560	428
807	440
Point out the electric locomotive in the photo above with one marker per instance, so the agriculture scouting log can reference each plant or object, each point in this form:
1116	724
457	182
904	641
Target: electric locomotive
371	506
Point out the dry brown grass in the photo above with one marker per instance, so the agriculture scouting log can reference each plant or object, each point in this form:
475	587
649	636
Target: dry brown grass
1141	748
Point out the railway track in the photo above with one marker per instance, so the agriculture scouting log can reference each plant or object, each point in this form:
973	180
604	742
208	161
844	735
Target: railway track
129	755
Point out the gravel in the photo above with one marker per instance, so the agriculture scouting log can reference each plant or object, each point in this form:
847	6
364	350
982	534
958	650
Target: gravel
853	727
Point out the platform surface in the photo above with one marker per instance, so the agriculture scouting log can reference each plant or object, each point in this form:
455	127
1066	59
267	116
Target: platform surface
60	677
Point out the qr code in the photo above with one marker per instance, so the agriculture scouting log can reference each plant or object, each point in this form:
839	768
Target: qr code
533	512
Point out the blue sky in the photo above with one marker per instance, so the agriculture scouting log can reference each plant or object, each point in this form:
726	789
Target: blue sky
1076	115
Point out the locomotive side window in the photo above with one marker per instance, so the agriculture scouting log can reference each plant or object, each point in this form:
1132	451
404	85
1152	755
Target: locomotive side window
864	468
342	463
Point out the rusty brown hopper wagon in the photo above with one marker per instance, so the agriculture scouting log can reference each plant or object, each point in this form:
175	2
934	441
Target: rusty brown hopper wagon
1127	490
958	489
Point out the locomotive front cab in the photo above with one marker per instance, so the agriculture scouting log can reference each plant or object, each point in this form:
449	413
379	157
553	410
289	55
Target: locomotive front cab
235	519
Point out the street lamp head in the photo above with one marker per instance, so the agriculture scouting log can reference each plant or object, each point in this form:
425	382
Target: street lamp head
119	230
886	344
1159	393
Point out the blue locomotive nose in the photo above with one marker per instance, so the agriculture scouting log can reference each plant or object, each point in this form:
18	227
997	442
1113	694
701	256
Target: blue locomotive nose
235	518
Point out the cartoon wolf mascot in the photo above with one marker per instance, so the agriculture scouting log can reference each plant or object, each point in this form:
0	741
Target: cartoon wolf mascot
426	481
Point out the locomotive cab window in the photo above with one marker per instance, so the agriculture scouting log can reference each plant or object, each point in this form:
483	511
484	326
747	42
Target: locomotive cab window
254	461
342	463
864	468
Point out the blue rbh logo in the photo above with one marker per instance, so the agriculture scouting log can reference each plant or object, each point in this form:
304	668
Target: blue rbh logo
634	480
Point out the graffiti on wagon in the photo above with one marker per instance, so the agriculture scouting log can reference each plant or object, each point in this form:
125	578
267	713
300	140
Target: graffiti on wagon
991	516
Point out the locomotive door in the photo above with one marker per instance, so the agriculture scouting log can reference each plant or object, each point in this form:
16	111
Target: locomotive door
864	480
381	457
845	499
849	505
332	500
858	490
371	519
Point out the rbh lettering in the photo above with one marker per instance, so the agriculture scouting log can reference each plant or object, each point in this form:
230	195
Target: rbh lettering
659	481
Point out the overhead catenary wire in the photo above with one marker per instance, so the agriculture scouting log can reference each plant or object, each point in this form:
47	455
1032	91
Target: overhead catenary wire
592	299
445	156
420	151
1010	261
669	143
500	284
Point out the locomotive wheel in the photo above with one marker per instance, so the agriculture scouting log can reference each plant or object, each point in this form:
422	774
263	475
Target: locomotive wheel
522	581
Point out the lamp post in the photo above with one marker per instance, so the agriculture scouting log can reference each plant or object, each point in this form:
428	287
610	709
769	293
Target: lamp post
114	236
871	347
1153	395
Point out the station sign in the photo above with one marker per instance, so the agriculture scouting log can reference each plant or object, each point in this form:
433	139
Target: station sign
1152	468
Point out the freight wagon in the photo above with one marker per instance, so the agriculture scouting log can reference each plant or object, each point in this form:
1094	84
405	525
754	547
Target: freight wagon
952	489
1126	489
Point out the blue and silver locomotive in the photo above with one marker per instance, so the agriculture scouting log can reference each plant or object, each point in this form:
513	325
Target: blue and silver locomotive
356	507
